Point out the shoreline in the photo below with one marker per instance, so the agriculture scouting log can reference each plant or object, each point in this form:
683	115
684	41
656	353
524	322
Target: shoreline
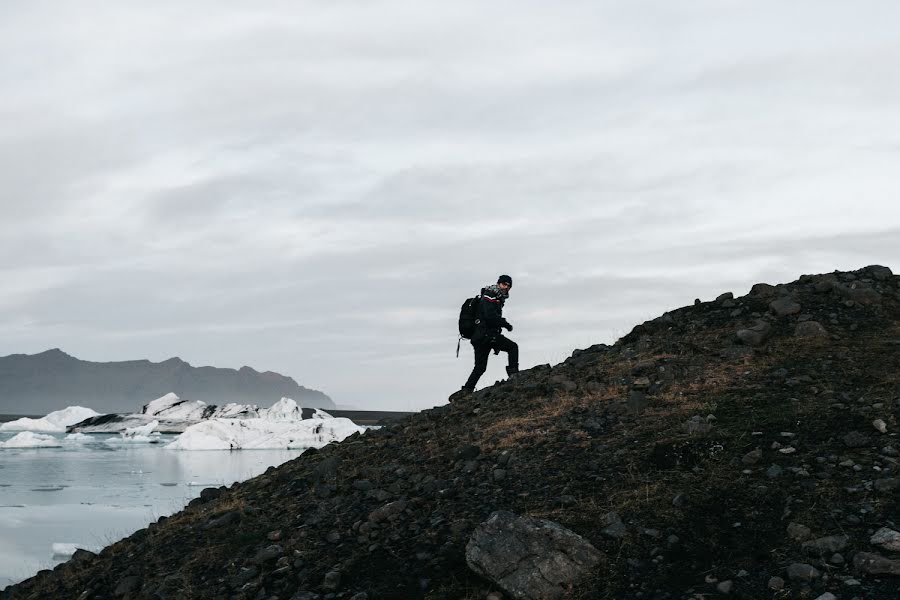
360	417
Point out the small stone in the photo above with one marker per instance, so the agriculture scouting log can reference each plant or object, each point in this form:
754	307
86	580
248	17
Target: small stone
332	581
875	564
887	539
855	439
725	587
784	306
826	545
774	471
267	554
803	572
333	537
798	532
499	474
827	596
752	457
837	559
788	450
811	329
880	425
274	536
889	484
776	583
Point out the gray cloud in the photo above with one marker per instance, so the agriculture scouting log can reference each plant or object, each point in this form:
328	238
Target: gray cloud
314	188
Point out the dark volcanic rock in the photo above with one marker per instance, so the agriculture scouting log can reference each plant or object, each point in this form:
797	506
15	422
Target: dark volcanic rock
530	559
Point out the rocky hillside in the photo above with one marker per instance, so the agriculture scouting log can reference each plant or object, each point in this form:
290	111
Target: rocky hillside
741	447
40	383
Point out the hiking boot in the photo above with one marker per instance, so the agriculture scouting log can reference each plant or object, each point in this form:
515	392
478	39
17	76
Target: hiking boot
459	395
510	371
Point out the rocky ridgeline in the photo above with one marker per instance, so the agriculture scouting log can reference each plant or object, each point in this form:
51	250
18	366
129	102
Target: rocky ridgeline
744	447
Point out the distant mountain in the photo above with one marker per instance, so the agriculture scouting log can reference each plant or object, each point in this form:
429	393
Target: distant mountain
51	380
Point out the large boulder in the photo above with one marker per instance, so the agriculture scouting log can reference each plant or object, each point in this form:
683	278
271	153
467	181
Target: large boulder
530	559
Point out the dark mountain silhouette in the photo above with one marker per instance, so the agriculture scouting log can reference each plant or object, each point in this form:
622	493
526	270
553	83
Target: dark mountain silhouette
743	447
40	383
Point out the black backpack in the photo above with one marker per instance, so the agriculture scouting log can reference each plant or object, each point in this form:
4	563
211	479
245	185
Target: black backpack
468	319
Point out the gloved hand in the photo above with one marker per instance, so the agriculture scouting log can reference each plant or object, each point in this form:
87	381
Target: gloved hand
507	325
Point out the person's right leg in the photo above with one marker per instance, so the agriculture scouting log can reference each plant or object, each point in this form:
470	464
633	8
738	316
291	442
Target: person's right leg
482	352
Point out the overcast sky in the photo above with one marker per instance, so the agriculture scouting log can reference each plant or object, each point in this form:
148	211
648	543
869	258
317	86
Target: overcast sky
314	187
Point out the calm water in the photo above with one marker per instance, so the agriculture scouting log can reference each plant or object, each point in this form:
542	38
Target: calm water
94	493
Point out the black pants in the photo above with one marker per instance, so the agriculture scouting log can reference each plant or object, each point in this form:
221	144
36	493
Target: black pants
483	351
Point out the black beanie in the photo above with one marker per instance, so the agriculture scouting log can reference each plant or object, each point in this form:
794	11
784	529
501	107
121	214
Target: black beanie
505	279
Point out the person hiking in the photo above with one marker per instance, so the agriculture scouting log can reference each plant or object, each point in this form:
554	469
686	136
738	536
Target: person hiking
487	335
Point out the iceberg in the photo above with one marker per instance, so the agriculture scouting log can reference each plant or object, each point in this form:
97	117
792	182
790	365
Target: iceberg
27	439
140	434
55	422
279	429
171	413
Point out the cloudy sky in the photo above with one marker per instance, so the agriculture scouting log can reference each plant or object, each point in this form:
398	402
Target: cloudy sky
314	187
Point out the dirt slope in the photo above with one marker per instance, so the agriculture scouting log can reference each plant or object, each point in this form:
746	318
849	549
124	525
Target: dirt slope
697	459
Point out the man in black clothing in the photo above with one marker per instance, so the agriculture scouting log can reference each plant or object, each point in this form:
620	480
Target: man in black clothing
487	334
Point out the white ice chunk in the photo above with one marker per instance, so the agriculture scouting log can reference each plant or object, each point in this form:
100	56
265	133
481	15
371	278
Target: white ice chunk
171	407
78	437
27	439
283	410
320	414
55	422
138	435
231	434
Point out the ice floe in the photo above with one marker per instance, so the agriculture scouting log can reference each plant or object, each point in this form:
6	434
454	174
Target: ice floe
55	422
171	413
27	439
281	428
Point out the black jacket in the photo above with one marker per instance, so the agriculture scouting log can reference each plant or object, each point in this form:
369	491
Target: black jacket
490	313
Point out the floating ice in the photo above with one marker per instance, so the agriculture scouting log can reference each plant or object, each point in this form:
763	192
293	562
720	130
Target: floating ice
138	435
27	439
55	422
234	434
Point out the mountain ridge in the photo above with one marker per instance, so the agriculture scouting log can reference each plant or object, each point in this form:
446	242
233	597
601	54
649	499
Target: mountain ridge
52	379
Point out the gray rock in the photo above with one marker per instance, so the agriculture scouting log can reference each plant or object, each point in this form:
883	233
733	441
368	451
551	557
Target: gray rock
811	329
725	587
226	520
855	439
784	306
530	559
774	471
127	585
776	583
826	545
615	528
305	595
803	572
332	581
387	511
798	532
499	474
752	457
880	425
467	452
887	539
879	272
827	596
755	335
269	553
875	564
888	484
725	296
